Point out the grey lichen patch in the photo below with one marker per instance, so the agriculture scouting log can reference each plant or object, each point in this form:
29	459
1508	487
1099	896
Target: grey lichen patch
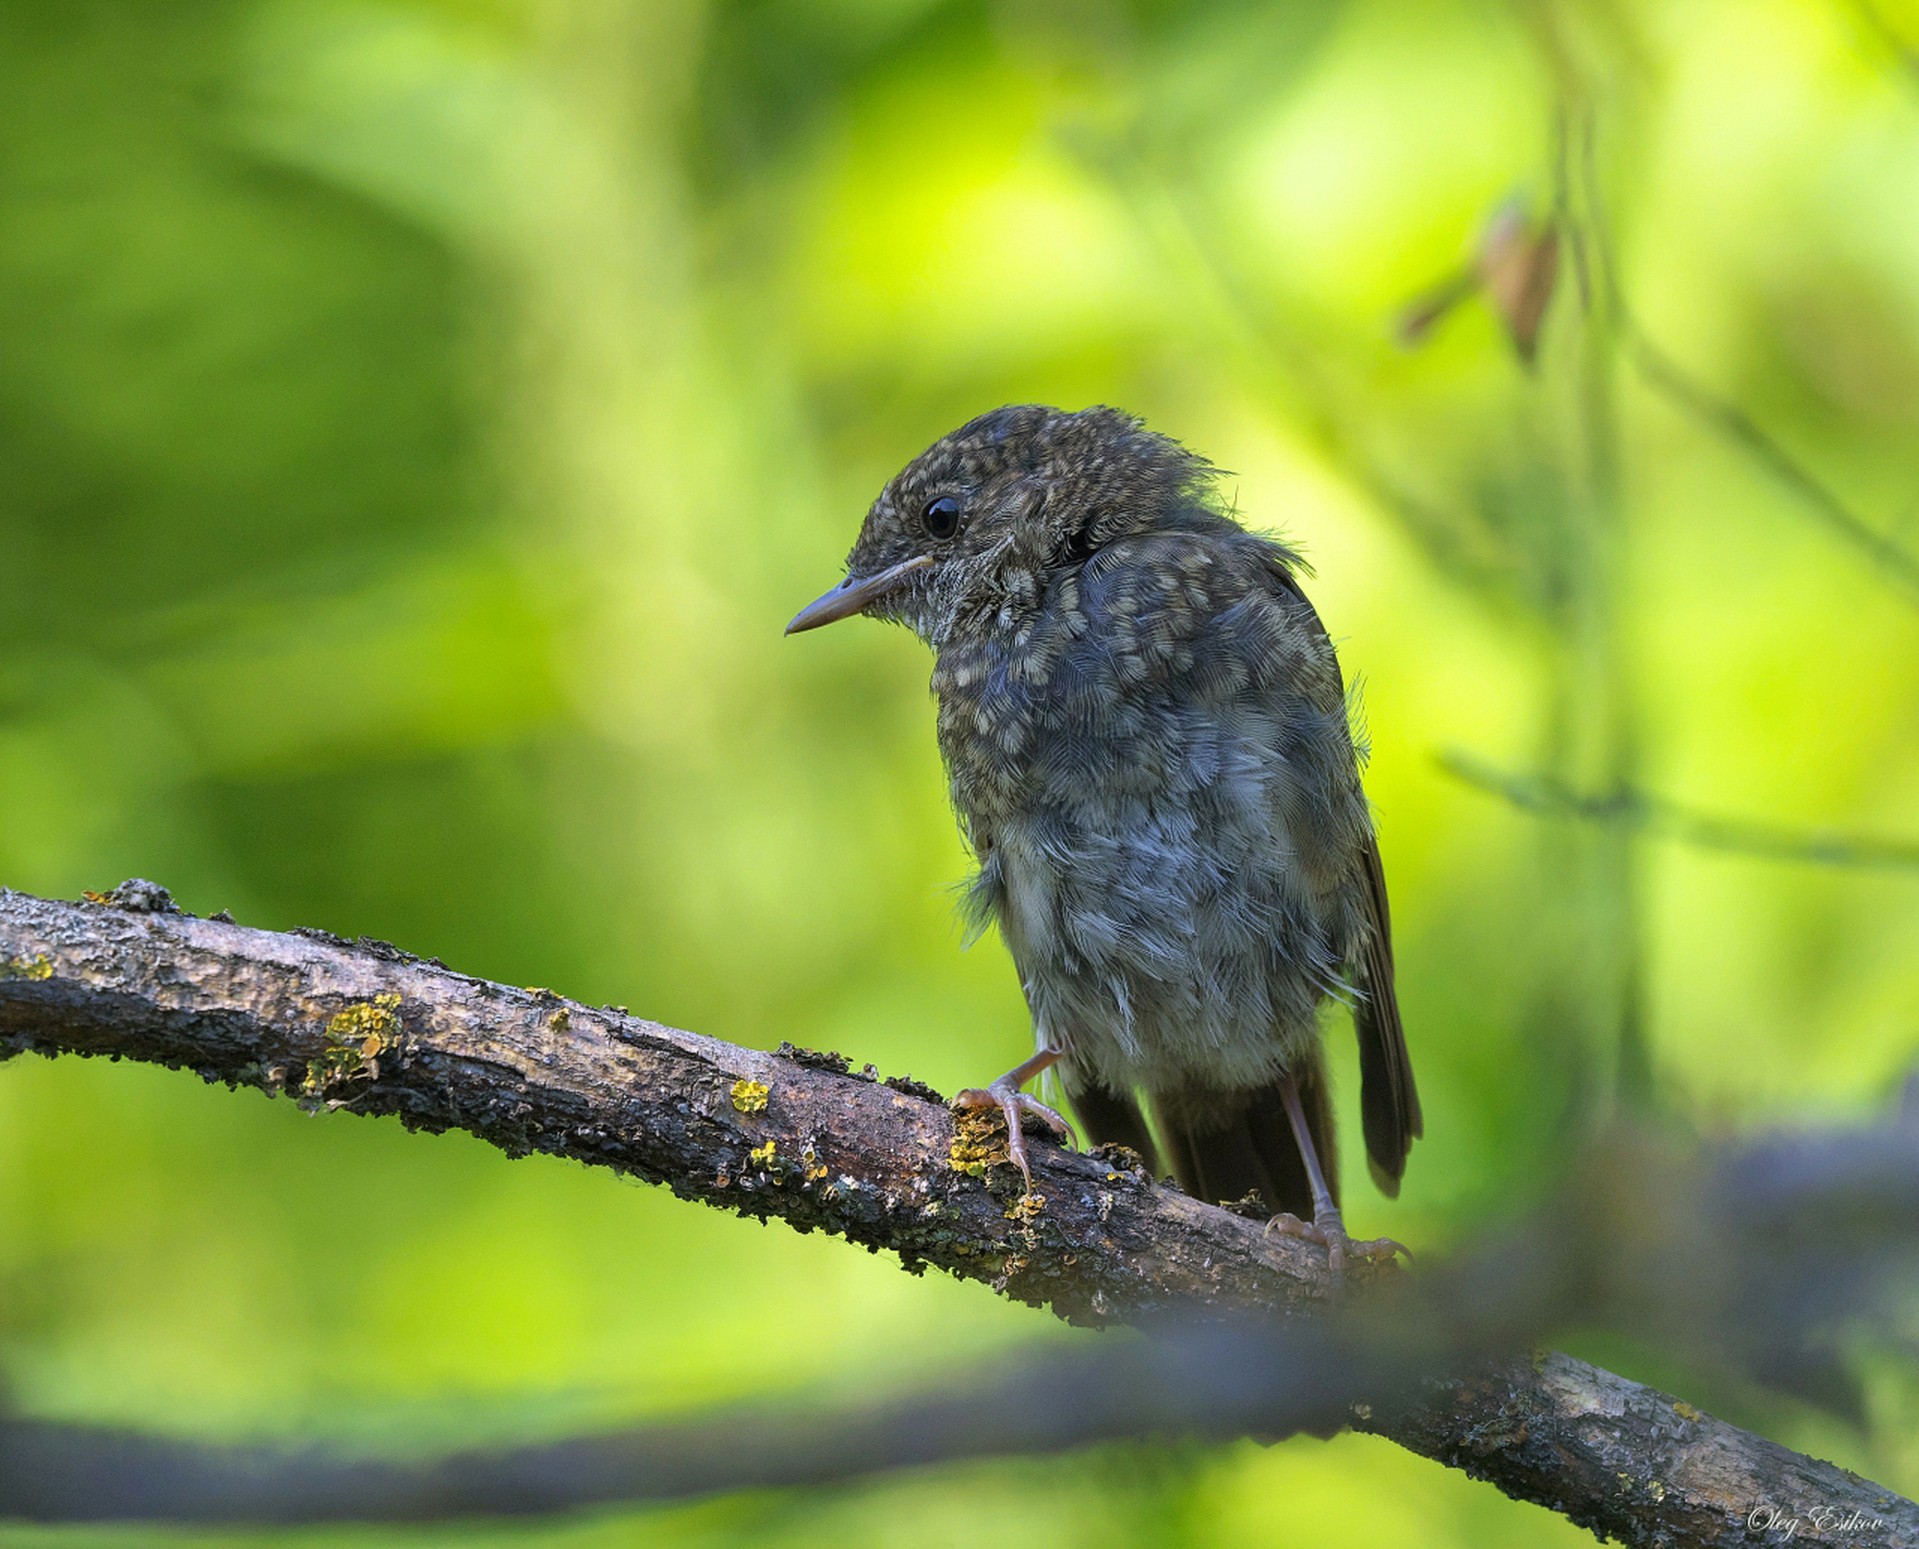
830	1060
858	1207
1123	1161
907	1086
355	1040
38	966
136	895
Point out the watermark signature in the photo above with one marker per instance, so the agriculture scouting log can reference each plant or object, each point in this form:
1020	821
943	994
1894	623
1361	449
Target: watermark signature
1787	1525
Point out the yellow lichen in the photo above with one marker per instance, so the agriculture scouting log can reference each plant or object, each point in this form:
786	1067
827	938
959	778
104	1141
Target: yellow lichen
368	1027
39	966
1026	1208
979	1142
560	1020
355	1040
1685	1411
750	1096
762	1156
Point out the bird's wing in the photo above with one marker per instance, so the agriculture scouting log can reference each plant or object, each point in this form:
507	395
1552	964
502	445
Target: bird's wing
1388	1099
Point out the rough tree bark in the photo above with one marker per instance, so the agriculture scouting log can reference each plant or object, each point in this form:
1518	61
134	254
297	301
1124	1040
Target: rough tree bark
368	1028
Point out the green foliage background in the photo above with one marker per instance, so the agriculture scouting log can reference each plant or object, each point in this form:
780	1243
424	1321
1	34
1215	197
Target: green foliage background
419	417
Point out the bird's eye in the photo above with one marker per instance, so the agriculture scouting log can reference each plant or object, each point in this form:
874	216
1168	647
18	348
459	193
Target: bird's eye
942	517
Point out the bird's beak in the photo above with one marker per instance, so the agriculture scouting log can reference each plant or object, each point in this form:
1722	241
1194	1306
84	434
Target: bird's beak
853	594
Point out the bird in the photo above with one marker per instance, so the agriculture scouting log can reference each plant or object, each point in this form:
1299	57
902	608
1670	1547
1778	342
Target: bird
1149	748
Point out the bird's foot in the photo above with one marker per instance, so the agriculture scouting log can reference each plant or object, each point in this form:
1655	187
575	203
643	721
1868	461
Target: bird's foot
1014	1105
1328	1229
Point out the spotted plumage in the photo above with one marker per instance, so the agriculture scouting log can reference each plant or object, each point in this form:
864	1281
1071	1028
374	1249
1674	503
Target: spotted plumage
1148	746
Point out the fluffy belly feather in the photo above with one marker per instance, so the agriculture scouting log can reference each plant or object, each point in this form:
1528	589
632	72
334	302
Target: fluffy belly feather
1155	956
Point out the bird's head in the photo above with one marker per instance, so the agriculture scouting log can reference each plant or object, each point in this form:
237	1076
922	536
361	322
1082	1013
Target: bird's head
984	517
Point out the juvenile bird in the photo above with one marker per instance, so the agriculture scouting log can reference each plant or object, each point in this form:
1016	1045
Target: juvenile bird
1147	741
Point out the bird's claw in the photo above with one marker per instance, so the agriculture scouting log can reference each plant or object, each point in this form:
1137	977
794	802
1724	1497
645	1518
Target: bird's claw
1015	1105
1329	1231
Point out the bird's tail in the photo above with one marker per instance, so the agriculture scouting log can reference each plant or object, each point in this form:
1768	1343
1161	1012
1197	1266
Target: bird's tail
1111	1118
1224	1153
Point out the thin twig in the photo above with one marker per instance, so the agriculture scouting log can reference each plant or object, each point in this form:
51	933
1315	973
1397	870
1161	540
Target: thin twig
1901	50
1636	809
1734	425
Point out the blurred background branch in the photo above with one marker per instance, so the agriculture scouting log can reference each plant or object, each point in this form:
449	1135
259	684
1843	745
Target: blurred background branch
1679	1250
1884	32
1631	809
1896	564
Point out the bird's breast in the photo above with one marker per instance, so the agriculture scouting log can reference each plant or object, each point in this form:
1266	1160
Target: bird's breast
1166	834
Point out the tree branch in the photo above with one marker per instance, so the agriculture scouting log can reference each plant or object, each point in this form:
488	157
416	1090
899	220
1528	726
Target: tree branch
371	1029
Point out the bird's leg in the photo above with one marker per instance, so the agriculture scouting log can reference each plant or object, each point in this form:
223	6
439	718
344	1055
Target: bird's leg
1005	1095
1327	1227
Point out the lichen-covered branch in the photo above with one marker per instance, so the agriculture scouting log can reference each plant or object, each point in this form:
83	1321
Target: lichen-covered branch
368	1029
365	1028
